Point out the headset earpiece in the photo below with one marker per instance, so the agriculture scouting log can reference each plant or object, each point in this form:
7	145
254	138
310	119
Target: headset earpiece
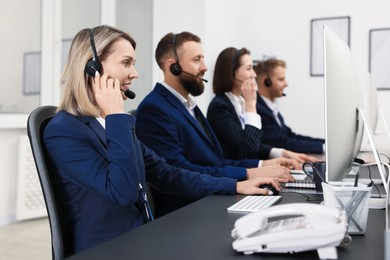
268	82
175	68
93	64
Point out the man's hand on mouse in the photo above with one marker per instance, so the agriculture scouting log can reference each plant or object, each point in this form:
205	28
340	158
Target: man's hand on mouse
254	186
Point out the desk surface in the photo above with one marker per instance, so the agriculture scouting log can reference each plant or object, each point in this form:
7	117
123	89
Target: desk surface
202	229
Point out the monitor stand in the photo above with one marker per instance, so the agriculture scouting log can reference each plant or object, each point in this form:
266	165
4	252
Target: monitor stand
368	173
376	202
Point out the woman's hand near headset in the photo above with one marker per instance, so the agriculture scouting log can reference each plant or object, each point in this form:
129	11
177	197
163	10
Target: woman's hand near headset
108	95
249	93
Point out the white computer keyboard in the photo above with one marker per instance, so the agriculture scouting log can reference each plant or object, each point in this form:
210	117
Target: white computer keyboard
254	203
301	184
299	177
301	180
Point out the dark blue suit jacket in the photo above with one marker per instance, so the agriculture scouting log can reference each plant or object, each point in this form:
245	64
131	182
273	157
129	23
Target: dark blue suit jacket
237	143
99	172
165	125
284	137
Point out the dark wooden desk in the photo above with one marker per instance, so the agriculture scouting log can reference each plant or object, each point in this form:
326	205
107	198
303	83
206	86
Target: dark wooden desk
202	231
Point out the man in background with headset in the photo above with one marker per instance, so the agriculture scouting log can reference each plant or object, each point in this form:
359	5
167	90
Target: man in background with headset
170	123
271	79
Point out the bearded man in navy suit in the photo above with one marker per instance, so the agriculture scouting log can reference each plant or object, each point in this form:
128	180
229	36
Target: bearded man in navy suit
170	123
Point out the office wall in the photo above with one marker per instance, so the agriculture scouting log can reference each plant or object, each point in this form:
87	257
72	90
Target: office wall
16	42
135	17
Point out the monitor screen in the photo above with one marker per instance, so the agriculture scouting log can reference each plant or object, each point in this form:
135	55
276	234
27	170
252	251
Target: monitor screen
343	124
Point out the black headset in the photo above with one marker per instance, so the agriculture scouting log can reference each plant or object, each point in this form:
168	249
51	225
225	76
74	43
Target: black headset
93	64
267	80
175	68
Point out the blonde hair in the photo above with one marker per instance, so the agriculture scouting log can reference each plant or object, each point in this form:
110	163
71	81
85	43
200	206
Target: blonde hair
77	97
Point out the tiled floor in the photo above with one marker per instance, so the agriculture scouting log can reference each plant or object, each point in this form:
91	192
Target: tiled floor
26	240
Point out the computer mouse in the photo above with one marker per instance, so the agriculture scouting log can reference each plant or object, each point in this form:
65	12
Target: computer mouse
271	188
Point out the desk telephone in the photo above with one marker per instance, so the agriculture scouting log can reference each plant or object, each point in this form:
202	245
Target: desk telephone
290	228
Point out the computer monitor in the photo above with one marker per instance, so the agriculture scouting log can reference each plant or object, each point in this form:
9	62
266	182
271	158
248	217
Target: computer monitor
343	97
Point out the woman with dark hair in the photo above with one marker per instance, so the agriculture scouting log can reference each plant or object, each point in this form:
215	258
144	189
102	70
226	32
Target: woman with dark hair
232	112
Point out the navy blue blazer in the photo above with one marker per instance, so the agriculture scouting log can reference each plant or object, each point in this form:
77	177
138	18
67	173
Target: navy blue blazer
166	126
283	136
237	143
99	172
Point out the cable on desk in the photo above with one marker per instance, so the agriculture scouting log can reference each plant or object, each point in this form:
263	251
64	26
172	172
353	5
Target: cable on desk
372	182
385	155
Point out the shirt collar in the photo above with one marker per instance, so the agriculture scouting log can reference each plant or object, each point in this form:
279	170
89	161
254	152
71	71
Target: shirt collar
238	103
189	103
102	121
272	105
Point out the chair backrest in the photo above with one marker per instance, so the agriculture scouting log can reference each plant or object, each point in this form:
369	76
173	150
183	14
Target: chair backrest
61	237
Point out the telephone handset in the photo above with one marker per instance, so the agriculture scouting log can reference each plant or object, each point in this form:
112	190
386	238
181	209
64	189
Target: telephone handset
290	228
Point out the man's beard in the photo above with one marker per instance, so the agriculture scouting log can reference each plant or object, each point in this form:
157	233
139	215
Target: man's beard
192	84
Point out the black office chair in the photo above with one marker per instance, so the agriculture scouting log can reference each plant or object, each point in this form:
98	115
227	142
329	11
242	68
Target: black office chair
61	237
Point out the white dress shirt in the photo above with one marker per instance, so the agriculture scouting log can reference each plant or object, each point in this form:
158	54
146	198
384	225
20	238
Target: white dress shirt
189	103
250	118
246	118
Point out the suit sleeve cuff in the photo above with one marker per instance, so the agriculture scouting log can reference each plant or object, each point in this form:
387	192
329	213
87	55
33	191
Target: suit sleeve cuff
253	119
275	153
